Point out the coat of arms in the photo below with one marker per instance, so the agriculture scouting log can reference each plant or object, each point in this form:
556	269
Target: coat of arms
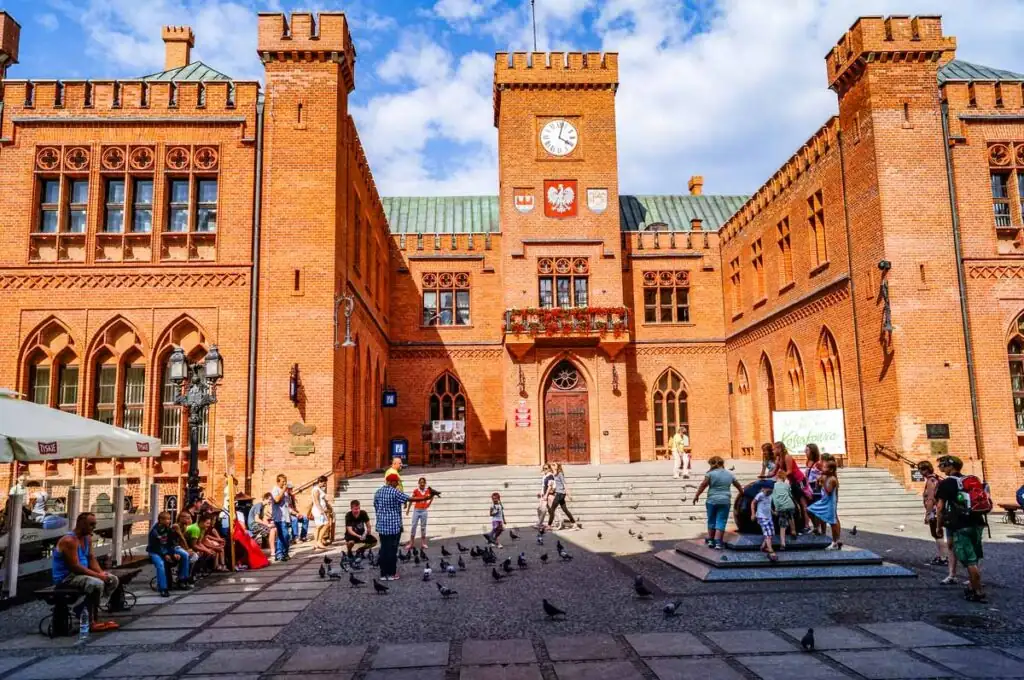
523	200
597	200
560	198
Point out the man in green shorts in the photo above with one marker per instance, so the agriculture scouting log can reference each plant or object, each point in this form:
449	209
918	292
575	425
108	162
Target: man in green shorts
964	529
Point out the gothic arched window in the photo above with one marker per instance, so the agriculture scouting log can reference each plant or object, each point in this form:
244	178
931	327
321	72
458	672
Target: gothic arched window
668	402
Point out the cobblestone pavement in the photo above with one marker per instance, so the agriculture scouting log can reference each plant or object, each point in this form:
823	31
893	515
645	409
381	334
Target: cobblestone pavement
285	621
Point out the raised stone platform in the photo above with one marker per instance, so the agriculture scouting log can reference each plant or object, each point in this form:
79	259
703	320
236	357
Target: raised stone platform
805	557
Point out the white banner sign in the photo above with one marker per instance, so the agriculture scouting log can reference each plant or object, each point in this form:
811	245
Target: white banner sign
797	429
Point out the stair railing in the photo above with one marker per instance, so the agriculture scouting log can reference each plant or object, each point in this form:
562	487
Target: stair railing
893	454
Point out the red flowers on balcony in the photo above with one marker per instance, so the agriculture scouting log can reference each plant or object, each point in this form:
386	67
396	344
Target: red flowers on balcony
550	321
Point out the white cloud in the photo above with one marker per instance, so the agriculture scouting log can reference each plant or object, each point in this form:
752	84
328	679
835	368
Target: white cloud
463	10
48	20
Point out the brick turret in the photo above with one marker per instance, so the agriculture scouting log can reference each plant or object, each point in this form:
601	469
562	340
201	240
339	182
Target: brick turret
303	38
10	32
178	44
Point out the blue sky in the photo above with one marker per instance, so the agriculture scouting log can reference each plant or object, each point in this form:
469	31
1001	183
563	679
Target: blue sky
728	89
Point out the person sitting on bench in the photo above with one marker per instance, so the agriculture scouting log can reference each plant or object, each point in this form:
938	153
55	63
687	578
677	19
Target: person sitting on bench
75	567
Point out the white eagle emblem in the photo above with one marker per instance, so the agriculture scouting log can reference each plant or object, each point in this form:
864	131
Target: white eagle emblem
561	198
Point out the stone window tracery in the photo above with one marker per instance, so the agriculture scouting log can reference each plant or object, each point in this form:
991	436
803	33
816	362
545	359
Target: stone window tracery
669	409
446	298
1006	181
563	282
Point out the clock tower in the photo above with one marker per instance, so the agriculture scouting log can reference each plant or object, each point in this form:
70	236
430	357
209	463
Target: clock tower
565	325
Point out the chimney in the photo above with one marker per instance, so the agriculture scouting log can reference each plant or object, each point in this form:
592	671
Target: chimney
696	224
9	37
178	44
696	185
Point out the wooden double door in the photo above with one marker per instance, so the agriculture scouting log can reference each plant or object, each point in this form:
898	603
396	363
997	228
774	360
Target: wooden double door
566	417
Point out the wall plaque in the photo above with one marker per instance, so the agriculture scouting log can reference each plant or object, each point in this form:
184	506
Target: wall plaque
301	443
937	430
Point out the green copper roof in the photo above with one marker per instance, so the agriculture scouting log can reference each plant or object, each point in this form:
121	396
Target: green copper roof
964	71
479	214
196	72
642	212
442	214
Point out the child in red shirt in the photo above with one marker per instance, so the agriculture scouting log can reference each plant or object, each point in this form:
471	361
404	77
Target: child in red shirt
419	513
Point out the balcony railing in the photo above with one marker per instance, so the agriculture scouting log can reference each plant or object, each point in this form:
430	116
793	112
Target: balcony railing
555	321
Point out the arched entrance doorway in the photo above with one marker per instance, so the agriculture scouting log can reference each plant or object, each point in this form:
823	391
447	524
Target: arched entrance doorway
566	416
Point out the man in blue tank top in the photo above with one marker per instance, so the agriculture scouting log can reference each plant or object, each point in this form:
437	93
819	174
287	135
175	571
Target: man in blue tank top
75	566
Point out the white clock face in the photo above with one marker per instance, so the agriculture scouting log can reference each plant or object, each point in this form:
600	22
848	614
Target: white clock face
559	137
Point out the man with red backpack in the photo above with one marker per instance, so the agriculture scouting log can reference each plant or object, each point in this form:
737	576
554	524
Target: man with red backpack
963	504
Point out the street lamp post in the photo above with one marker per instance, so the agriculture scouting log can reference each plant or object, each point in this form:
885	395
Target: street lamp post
197	387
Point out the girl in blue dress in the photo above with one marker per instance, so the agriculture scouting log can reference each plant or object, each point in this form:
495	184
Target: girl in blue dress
826	508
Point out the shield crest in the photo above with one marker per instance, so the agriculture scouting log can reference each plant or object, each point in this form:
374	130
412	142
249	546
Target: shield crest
523	200
560	198
597	200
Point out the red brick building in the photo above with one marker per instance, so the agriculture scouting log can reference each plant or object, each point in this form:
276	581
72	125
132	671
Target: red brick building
557	320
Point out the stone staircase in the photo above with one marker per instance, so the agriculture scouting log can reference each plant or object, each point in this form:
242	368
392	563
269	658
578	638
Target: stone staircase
867	495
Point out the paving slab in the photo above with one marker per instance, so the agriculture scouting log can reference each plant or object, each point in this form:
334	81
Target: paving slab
1014	651
233	676
253	634
182	608
234	661
667	644
36	641
145	600
204	598
305	595
8	663
271	606
164	622
789	666
750	641
975	662
149	664
261	619
64	667
297	587
914	634
837	637
336	675
123	638
406	674
306	659
483	652
693	669
412	655
232	588
518	672
583	648
886	664
597	670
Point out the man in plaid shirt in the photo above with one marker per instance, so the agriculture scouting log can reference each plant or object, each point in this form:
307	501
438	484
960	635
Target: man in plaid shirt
388	502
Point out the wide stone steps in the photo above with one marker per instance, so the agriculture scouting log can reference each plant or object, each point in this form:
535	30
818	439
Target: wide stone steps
866	493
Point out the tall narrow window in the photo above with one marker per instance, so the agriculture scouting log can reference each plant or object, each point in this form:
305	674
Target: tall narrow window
49	206
78	203
134	397
736	284
757	260
142	206
67	400
1016	354
1001	198
1020	190
669	408
170	412
106	393
114	221
177	213
357	234
816	222
206	212
40	385
545	292
831	377
795	373
785	253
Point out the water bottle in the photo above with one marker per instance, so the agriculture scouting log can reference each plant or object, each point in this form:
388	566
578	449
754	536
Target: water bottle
83	626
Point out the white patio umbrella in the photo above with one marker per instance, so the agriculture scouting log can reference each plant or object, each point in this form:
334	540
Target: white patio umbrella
33	432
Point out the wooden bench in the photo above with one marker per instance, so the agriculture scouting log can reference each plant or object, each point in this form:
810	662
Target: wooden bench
59	622
1011	510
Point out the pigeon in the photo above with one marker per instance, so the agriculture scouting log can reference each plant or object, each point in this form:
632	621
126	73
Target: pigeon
668	518
451	571
725	558
732	468
672	608
693	518
566	557
901	528
634	507
807	641
354	581
551	610
380	588
462	563
617	494
506	485
426	573
641	589
642	518
474	552
323	571
461	547
445	552
332	575
544	558
599	476
423	555
404	557
506	566
540	539
640	537
416	559
444	565
853	531
632	533
445	591
684	498
558	546
599	535
513	535
495	575
521	562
